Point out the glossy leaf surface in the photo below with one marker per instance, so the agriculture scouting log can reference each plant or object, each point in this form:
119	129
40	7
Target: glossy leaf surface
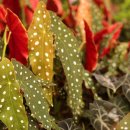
12	111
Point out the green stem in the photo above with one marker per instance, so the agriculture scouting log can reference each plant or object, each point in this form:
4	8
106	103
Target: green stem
6	40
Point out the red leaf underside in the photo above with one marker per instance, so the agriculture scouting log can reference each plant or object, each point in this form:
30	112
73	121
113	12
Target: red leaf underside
91	51
13	5
56	6
18	43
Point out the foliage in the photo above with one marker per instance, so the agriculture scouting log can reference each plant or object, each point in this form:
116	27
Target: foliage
70	59
68	125
41	49
63	66
11	98
33	94
124	123
124	11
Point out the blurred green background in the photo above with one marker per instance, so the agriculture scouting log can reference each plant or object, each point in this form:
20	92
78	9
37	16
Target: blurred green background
121	13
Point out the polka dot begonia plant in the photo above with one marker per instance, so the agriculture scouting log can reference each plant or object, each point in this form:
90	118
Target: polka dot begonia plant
89	84
67	50
34	95
48	37
32	124
41	49
12	111
42	53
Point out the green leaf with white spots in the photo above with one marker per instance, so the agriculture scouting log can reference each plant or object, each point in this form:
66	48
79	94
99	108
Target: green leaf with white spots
1	48
41	49
67	50
12	111
124	124
34	96
90	84
33	125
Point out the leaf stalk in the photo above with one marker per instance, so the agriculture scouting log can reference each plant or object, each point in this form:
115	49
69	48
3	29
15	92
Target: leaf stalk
6	40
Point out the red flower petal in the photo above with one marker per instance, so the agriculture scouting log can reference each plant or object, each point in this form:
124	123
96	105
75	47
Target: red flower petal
91	51
18	47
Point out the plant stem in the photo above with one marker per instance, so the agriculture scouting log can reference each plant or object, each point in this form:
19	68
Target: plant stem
6	40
